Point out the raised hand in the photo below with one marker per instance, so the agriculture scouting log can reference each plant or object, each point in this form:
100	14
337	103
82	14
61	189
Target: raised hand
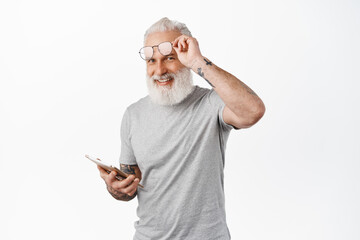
187	49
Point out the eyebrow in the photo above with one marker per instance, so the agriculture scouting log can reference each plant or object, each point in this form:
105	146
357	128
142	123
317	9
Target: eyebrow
162	56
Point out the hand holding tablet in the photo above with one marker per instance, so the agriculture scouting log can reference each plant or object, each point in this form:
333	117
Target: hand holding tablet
109	168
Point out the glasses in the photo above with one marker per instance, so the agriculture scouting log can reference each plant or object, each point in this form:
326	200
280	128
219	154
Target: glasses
165	48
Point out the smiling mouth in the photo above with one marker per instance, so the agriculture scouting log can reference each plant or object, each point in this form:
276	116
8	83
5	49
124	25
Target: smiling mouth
164	80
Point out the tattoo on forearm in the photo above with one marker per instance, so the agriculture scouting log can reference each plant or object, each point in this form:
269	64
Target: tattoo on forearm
120	196
249	90
208	62
202	75
129	169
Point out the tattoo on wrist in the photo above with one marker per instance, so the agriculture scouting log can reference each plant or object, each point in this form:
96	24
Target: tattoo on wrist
201	74
208	62
120	196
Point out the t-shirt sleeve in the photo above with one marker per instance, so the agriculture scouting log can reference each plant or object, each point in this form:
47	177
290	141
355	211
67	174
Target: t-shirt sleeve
219	106
127	154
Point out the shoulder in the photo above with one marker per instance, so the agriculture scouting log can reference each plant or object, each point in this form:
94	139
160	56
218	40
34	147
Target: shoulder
200	93
210	96
206	92
139	105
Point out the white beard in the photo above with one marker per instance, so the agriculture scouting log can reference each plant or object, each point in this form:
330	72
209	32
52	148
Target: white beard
181	87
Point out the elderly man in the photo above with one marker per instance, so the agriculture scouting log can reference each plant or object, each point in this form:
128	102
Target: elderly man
173	140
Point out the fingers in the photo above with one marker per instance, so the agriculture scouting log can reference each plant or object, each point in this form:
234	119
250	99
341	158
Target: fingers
175	42
124	183
103	172
109	178
127	186
131	189
182	42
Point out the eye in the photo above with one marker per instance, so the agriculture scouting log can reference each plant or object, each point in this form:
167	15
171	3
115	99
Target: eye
170	58
151	60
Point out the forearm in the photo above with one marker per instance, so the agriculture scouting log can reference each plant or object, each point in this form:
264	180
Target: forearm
123	189
237	96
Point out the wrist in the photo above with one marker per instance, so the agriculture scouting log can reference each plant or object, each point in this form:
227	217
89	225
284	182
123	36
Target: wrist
196	63
120	196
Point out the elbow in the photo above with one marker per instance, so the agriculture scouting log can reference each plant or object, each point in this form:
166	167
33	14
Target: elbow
258	112
254	116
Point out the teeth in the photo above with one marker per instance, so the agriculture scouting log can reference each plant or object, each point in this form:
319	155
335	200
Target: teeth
163	80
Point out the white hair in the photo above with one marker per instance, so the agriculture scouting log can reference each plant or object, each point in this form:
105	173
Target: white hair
166	24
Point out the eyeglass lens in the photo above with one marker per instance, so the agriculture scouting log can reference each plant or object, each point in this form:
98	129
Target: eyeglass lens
164	48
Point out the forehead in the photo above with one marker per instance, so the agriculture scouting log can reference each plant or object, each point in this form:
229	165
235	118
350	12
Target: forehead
159	37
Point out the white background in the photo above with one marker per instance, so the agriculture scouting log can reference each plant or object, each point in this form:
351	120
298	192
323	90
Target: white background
69	69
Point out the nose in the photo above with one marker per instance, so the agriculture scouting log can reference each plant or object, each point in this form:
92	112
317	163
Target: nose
160	68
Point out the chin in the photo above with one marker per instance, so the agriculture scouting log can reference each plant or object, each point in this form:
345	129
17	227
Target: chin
179	86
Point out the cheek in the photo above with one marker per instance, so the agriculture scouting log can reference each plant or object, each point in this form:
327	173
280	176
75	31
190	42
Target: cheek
149	71
176	67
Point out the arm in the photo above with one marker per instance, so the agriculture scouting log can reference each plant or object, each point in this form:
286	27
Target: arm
125	189
243	108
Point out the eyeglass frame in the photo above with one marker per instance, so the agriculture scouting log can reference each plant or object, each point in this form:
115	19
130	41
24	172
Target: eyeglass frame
153	50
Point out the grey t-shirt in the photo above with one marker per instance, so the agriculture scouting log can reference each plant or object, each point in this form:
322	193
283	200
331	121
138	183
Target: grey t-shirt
180	151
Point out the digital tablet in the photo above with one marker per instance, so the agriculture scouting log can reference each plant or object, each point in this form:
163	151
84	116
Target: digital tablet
109	168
